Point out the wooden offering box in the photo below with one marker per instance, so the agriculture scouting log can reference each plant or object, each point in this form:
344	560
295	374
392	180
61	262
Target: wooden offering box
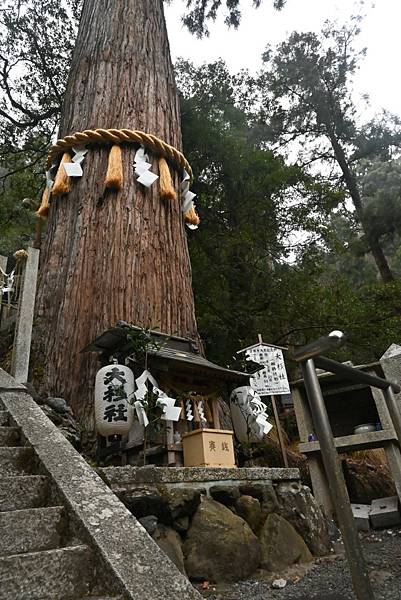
208	448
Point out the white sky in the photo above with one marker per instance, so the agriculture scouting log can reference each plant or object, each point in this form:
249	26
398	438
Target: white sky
380	73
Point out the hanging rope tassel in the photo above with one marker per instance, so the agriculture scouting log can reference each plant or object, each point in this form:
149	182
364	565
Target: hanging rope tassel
114	176
191	217
43	209
62	183
167	191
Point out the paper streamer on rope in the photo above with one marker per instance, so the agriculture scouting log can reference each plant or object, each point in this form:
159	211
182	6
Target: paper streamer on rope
188	410
167	404
74	168
187	198
248	414
142	168
201	411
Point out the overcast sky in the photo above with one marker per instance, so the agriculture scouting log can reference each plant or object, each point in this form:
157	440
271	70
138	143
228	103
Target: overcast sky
380	74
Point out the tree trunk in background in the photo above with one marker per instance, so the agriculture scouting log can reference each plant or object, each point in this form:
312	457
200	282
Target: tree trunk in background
119	255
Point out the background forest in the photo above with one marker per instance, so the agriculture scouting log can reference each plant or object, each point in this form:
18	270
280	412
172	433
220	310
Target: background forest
299	197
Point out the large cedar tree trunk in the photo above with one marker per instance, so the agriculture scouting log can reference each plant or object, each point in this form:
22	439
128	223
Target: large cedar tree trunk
120	255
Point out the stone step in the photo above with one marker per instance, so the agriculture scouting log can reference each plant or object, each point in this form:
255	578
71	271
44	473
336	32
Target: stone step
4	418
62	574
31	530
16	461
10	436
23	491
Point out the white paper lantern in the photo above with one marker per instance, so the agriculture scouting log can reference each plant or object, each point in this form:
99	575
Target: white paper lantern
114	386
248	414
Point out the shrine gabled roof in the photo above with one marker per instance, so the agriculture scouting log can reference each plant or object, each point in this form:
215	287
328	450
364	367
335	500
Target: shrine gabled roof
177	349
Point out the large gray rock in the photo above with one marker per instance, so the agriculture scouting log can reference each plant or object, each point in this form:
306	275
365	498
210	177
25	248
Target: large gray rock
145	501
265	493
58	404
220	546
281	546
225	494
249	509
181	501
170	542
299	507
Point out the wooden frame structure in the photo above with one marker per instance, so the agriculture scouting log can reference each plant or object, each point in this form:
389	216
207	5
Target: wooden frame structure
360	403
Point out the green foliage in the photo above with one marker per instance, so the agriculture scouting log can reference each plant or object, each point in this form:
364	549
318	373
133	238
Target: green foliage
202	11
271	256
306	91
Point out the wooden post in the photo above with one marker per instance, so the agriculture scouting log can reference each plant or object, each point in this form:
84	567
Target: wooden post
215	411
3	266
23	330
169	442
280	433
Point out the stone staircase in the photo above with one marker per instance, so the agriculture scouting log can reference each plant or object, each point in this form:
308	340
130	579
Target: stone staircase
63	534
40	554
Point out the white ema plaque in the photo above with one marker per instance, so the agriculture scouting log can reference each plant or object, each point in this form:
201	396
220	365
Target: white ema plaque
272	380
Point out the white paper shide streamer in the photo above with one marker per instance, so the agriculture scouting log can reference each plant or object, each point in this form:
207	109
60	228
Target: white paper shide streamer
142	168
187	197
248	414
167	404
188	410
74	168
201	412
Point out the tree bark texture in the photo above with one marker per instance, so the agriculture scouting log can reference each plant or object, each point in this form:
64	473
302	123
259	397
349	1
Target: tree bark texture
115	255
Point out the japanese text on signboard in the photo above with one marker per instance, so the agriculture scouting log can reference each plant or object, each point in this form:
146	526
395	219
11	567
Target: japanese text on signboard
273	378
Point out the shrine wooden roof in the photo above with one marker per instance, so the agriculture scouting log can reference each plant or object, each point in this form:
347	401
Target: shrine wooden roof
181	352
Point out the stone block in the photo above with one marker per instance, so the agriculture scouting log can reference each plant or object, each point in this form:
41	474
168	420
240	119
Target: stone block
281	545
28	491
30	530
4	418
9	436
361	515
62	573
170	542
249	509
299	507
181	501
225	494
384	512
220	546
264	492
145	501
16	461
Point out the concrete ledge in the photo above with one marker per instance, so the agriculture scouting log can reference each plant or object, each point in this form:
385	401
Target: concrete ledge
137	565
129	476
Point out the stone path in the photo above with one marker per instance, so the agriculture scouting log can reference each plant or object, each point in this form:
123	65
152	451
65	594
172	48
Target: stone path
329	579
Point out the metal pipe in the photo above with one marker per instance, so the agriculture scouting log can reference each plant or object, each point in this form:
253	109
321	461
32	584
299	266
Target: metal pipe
327	342
353	374
394	410
338	490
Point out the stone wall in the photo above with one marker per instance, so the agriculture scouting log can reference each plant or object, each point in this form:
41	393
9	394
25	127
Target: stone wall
224	524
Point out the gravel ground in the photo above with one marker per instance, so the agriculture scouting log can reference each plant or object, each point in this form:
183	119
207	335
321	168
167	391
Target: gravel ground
326	578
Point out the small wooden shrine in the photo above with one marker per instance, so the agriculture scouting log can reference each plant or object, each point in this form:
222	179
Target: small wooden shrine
199	387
